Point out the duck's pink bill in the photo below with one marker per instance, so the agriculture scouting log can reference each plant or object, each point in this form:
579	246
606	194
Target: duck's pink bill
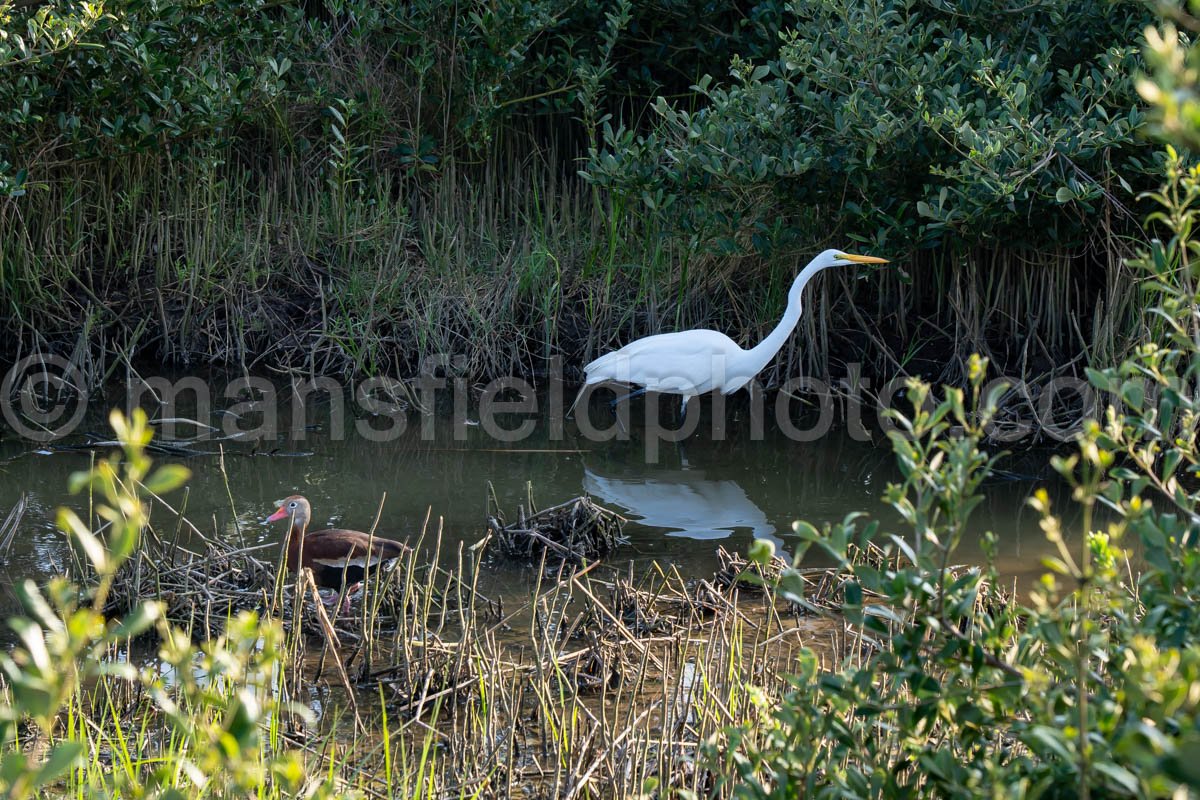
282	513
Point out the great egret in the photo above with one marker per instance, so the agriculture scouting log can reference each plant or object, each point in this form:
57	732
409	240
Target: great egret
691	363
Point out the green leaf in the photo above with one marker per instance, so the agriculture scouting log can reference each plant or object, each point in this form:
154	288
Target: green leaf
242	724
1118	775
62	758
138	621
1134	394
1051	739
36	606
1101	379
761	551
122	542
1056	565
806	531
34	638
13	767
167	478
92	548
793	587
876	610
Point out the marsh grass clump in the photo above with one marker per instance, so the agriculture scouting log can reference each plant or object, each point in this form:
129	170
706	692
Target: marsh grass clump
426	686
200	587
576	532
737	570
640	611
203	581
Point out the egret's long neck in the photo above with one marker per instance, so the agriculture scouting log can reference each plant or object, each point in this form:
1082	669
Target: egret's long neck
758	356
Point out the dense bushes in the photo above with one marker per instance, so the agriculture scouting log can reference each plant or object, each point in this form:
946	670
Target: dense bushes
187	79
1087	686
989	147
178	79
908	123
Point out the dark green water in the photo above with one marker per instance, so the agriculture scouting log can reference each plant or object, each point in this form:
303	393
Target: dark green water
697	496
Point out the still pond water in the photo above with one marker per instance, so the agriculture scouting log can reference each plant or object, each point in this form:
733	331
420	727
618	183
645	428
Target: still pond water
698	496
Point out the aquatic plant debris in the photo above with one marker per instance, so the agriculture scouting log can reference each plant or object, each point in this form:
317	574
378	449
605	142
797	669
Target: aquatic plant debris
574	532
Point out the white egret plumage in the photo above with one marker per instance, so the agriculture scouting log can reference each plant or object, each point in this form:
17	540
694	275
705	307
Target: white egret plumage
691	363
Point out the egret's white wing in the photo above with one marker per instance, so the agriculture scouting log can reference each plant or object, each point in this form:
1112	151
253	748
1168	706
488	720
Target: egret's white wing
686	362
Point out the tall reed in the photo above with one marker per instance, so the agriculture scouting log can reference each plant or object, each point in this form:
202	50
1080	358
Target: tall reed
503	265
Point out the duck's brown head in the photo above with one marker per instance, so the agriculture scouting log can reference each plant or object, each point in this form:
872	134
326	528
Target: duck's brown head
295	508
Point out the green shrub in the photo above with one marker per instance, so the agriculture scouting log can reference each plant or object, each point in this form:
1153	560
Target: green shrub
909	123
1092	684
222	701
187	79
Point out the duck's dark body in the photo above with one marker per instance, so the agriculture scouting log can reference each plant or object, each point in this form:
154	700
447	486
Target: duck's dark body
336	556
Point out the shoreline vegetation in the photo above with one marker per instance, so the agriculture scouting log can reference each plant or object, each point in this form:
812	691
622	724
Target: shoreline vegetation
932	128
195	668
346	188
245	279
221	668
249	273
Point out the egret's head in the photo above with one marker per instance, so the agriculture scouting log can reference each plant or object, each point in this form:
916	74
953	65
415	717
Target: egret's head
840	258
830	258
295	508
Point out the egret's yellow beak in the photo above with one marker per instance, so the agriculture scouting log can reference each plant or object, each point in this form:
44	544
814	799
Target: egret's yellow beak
861	259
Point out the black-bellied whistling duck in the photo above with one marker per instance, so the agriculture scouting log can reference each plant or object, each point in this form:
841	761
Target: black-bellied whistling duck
334	555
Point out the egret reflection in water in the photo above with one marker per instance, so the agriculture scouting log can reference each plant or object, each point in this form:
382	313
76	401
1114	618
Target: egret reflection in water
683	502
